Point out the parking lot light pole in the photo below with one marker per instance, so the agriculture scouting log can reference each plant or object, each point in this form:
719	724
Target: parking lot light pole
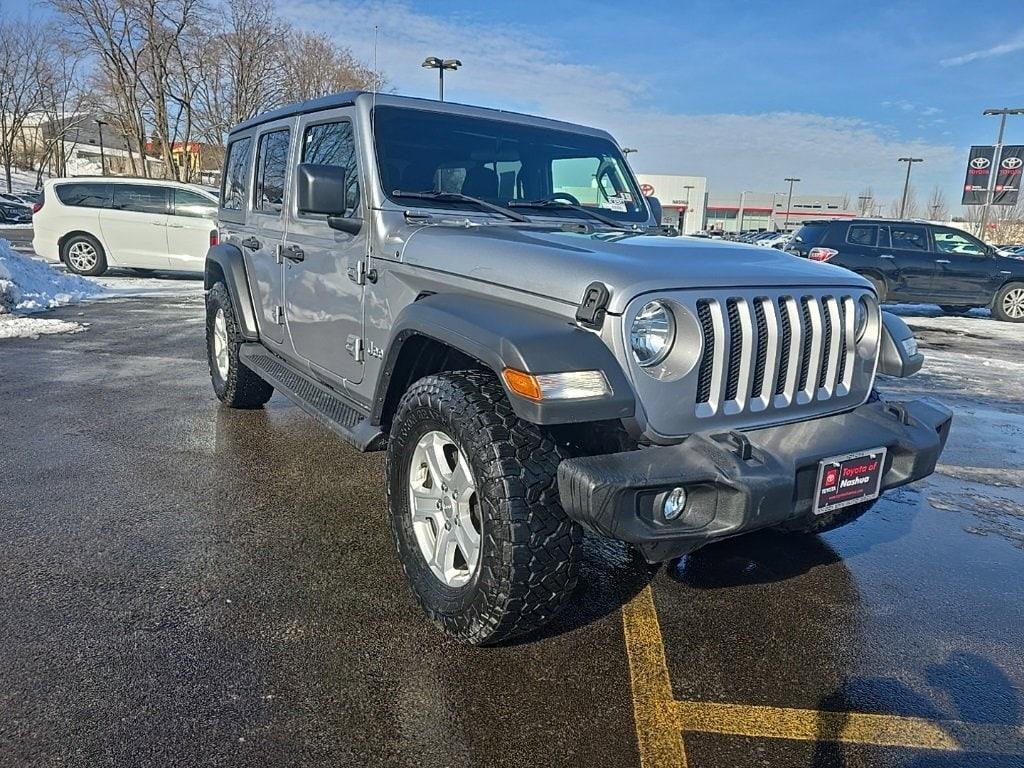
990	192
906	183
789	202
103	159
864	203
435	62
686	208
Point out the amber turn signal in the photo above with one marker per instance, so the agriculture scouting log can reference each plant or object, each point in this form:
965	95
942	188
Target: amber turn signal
524	384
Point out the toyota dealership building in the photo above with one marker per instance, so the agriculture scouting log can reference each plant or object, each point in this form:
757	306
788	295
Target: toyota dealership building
686	204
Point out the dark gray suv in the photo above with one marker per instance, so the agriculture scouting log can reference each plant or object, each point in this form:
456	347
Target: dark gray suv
489	298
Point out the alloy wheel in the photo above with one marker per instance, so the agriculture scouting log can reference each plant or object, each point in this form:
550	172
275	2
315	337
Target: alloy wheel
82	256
220	343
445	509
1013	303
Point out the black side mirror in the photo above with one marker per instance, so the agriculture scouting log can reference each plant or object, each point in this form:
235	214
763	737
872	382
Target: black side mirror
323	189
655	204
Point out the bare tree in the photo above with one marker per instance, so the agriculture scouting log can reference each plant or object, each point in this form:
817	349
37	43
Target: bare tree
21	62
912	210
313	65
867	201
63	95
938	208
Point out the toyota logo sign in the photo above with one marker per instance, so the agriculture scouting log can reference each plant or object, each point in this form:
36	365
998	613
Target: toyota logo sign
980	162
646	190
1011	163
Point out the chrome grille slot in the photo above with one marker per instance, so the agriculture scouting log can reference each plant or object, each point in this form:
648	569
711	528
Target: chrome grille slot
774	352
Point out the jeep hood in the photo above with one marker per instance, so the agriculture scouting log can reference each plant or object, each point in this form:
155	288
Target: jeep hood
561	264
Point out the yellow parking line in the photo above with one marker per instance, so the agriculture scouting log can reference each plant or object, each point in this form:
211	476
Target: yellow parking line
661	721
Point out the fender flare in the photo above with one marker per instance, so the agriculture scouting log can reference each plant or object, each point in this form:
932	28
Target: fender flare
501	335
225	262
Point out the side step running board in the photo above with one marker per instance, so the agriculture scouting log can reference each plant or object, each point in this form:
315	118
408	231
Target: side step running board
323	404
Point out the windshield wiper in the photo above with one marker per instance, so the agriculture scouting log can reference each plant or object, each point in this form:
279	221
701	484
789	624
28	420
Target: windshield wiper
571	206
461	198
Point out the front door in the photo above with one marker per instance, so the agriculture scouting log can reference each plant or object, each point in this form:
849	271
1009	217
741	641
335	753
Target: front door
967	273
323	290
911	264
193	218
267	227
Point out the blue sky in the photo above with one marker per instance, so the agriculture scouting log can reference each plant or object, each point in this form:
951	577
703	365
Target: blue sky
744	93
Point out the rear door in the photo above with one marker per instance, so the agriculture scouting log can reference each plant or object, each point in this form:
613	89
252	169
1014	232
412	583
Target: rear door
189	226
968	272
324	286
913	267
135	226
267	227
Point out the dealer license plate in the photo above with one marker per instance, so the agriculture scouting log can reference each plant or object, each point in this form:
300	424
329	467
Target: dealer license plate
847	480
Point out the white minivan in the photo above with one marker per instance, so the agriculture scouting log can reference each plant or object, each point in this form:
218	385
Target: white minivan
94	223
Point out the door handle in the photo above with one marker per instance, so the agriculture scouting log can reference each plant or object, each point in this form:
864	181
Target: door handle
252	244
942	261
291	252
176	226
887	256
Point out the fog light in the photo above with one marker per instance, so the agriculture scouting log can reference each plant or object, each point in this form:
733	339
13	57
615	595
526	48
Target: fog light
674	503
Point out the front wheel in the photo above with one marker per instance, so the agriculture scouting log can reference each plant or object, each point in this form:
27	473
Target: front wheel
236	385
1009	303
472	496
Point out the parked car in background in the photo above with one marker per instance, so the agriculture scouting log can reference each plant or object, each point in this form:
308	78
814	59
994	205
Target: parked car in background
18	198
919	262
92	224
14	214
774	240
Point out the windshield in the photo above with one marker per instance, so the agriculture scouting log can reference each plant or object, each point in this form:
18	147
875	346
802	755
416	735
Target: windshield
501	162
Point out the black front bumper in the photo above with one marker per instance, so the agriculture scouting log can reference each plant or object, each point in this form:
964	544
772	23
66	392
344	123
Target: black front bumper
739	482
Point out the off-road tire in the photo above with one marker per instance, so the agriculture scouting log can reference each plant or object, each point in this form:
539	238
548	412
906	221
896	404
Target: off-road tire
829	521
101	256
530	549
241	388
998	311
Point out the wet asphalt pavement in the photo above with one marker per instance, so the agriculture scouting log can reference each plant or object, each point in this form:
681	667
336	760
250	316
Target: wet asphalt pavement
185	585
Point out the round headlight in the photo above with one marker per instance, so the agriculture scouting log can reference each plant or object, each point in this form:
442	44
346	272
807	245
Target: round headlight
862	311
652	334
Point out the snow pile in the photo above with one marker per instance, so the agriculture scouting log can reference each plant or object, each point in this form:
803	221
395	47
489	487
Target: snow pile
18	327
28	285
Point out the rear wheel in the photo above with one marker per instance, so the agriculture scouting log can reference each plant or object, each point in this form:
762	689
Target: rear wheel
83	255
235	385
472	497
1009	303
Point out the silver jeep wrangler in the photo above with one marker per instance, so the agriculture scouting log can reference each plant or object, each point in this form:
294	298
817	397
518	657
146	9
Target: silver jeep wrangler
488	297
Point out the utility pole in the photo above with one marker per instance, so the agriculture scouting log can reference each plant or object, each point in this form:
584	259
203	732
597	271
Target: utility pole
686	210
789	202
906	184
103	159
994	174
434	62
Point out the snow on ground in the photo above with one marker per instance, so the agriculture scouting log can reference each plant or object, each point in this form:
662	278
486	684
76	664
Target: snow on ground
32	327
29	285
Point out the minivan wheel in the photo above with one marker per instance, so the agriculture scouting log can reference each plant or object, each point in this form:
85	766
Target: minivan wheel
236	385
83	255
473	501
1009	303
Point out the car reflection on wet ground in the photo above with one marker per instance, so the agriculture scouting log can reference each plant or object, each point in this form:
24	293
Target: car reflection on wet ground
191	586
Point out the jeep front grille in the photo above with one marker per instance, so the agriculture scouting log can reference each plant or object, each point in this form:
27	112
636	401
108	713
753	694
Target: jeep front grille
774	352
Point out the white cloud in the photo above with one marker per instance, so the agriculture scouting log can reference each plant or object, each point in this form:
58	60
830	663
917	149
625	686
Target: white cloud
512	68
1014	45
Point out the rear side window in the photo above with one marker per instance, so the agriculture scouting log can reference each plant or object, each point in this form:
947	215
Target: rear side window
909	238
85	195
190	204
271	164
810	234
332	144
236	175
862	234
140	198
